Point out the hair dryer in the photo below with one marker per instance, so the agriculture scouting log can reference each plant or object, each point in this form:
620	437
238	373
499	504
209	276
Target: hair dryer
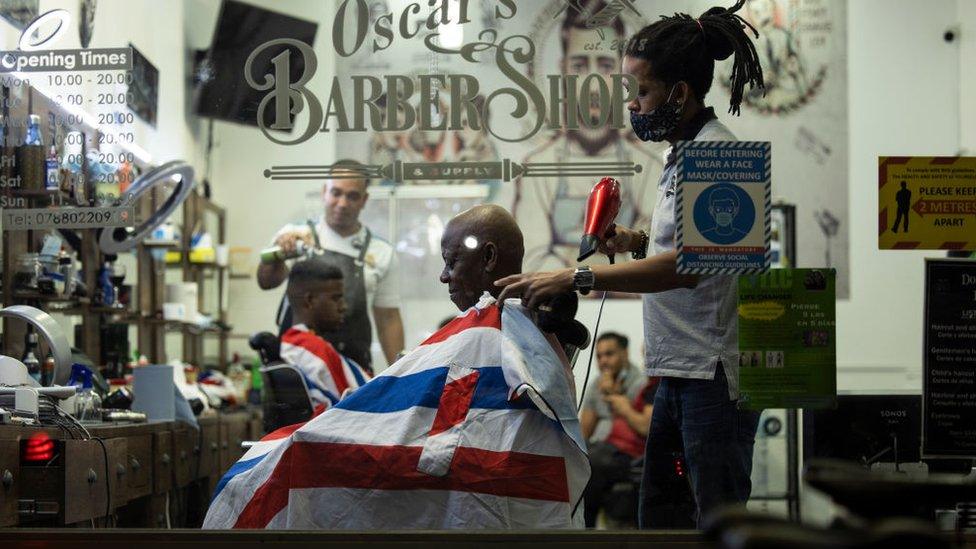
601	210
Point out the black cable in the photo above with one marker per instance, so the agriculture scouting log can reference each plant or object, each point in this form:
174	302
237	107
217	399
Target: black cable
108	487
589	363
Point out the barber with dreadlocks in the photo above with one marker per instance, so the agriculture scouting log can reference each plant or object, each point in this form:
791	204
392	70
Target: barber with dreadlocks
690	323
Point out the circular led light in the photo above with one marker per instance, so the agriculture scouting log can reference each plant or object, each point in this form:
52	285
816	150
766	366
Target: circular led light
63	19
51	331
121	239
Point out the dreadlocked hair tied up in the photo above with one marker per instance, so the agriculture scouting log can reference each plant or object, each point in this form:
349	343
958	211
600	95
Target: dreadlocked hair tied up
682	48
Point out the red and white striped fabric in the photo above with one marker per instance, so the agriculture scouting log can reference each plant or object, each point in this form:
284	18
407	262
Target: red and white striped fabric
476	428
328	374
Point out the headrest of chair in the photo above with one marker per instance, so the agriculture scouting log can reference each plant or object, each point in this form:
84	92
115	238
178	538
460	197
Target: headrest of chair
267	344
558	317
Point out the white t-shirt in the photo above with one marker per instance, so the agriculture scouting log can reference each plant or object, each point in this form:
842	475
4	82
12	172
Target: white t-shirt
380	263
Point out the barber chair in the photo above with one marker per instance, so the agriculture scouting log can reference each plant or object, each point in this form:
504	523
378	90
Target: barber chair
558	317
284	399
886	509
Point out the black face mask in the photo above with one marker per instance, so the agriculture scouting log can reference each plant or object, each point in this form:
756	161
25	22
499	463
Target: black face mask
657	124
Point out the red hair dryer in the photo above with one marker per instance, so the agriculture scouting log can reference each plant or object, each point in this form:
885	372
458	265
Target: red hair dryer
601	211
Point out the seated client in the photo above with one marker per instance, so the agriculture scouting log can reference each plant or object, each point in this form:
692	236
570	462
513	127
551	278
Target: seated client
318	306
475	428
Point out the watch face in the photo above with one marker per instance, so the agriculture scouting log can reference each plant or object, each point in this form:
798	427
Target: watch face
583	278
86	25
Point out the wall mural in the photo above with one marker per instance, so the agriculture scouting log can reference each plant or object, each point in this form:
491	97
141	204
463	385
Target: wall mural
529	94
803	49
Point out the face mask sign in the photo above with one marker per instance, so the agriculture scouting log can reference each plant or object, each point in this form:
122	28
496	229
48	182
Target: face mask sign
657	124
724	219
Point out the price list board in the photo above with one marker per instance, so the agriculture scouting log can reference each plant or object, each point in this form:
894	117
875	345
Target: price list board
949	376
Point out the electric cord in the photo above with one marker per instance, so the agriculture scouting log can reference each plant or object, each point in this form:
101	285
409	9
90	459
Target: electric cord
73	420
108	485
169	526
589	363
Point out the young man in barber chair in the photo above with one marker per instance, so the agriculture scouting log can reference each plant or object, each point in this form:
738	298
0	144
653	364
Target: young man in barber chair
315	291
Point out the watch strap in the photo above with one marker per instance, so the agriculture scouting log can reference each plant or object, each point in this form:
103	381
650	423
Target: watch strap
641	251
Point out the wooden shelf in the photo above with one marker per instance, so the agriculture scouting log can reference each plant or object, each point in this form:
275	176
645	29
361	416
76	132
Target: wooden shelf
46	298
148	290
208	265
161	243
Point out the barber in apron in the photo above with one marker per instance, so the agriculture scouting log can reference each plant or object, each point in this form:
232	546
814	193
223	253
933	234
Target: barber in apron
354	338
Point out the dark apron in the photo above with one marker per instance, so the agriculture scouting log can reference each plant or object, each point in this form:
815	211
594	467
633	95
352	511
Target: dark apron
354	338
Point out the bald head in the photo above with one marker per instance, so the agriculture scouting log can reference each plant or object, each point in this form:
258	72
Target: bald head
479	246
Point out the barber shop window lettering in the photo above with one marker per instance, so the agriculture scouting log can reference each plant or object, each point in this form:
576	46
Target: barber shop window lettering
414	102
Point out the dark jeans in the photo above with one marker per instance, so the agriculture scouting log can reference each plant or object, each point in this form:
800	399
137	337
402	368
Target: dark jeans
608	466
695	417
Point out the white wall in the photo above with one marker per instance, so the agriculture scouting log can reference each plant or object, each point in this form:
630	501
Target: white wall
903	99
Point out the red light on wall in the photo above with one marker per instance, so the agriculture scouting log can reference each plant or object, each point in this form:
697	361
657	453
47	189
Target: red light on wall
39	447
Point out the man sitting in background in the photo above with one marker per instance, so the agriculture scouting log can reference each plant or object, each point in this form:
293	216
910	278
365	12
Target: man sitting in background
315	291
615	419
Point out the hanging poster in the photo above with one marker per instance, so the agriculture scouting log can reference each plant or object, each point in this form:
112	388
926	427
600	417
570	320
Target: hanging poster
722	207
926	203
787	339
802	47
949	376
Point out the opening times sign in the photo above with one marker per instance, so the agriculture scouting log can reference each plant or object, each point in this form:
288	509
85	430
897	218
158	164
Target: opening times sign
949	377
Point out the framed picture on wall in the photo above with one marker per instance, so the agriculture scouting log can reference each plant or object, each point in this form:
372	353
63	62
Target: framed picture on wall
143	96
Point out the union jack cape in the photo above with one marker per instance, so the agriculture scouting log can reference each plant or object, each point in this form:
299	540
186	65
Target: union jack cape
327	374
475	428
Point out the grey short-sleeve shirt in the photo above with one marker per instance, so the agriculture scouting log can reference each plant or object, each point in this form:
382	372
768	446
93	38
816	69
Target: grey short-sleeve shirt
687	332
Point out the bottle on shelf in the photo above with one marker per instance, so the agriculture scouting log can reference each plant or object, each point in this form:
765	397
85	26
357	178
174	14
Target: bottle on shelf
52	180
47	371
88	405
30	355
33	131
105	284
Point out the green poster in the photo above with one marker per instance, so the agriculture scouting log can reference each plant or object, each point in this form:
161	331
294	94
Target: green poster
787	339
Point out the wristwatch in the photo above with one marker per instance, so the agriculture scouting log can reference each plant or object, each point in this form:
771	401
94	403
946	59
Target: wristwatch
583	280
641	251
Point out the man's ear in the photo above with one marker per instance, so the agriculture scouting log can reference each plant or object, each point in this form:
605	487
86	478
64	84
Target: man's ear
684	93
490	256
